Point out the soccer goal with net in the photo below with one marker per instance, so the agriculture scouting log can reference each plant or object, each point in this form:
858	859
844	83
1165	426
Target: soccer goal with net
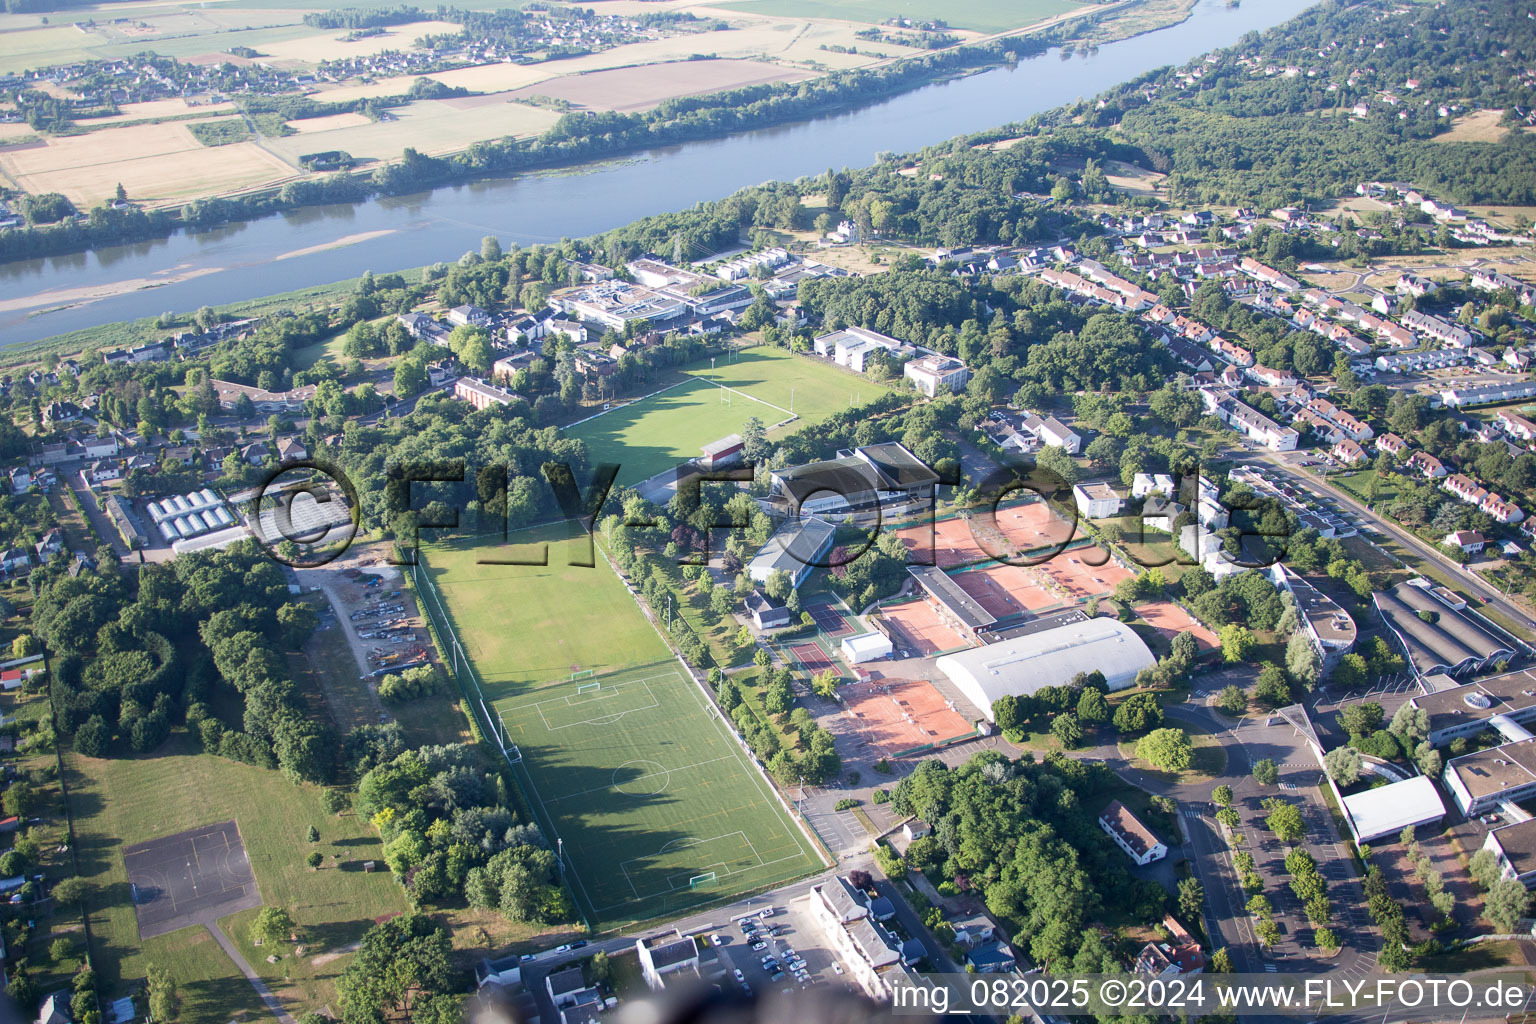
708	878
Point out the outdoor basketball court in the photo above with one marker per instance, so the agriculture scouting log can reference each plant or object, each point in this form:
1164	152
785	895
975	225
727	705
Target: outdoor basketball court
1170	620
1084	572
916	626
1007	591
192	877
658	804
897	715
828	619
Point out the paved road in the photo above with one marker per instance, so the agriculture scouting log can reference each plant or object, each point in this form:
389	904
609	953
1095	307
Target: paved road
1472	582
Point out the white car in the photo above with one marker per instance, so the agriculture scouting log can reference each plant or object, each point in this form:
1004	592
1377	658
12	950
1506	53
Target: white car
739	976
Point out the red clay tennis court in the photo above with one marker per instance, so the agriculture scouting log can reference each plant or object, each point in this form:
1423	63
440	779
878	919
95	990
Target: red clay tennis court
916	626
1170	620
1074	571
946	543
1008	590
812	657
829	619
1032	526
899	714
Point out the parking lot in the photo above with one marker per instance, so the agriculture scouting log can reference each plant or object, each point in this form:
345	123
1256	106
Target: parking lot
776	953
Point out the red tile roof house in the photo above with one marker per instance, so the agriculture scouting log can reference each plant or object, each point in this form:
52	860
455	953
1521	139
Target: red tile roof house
1139	842
1349	452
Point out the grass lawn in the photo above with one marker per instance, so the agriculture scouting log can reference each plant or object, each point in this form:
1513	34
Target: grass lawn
653	434
633	769
208	982
121	801
1359	485
330	349
980	15
526	624
1210	760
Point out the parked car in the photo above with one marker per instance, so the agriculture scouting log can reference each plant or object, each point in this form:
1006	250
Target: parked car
759	944
526	957
739	976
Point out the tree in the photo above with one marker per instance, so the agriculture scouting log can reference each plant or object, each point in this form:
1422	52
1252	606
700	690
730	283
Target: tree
1236	643
314	859
1168	749
164	1002
410	378
313	835
400	971
1221	961
1326	938
272	924
601	969
1232	700
1137	713
60	950
1066	728
1285	821
1344	765
1092	707
1265	773
1361	719
1222	795
1506	903
1409	723
71	890
778	585
1191	899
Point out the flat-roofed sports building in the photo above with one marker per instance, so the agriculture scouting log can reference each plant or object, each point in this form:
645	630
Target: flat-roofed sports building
1438	632
1514	848
1052	657
954	605
1387	810
883	476
1487	778
796	548
1465	710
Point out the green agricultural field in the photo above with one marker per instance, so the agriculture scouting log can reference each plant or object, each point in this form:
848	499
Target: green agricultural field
658	806
771	384
980	15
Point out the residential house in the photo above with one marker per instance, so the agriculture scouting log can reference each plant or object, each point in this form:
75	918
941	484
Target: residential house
1143	484
662	956
766	612
1392	445
935	373
1349	452
52	543
1426	465
1469	541
1054	433
1139	842
482	394
468	316
1098	500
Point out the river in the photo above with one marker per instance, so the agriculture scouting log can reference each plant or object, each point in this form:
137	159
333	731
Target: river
43	297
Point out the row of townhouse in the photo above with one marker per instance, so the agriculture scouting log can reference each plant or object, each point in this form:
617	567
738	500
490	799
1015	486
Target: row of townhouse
1268	275
1249	421
1450	334
1493	281
1136	296
1070	282
1466	489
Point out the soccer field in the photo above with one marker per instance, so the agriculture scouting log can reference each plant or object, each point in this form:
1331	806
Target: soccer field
656	433
658	806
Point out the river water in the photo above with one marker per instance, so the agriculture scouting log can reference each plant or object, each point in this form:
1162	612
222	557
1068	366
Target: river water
41	298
